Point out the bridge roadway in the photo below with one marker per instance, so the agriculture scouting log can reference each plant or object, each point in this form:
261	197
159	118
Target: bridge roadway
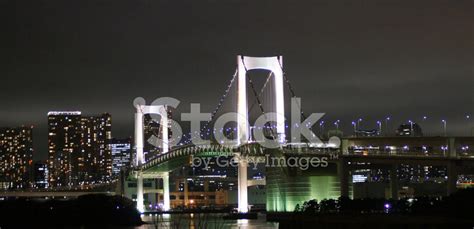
180	156
49	194
346	162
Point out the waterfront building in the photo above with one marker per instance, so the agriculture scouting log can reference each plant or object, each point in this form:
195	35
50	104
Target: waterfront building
121	155
40	175
79	148
95	158
63	147
16	155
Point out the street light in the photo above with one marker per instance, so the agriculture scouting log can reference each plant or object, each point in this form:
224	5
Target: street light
468	117
358	122
423	121
411	128
386	123
379	123
355	128
336	123
321	127
444	126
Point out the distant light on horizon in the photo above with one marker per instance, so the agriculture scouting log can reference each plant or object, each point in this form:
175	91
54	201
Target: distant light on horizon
64	113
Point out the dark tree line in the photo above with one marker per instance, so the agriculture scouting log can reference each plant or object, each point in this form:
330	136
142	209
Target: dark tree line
458	205
94	209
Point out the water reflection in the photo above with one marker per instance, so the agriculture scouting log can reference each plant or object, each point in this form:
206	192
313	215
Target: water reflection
242	222
202	221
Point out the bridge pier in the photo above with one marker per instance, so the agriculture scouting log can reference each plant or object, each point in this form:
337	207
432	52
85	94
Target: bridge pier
141	110
139	156
273	64
242	187
452	177
166	191
139	137
394	182
140	204
186	192
343	173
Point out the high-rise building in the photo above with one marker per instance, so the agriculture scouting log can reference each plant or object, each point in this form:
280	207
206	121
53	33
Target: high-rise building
95	159
16	154
64	140
79	148
40	175
121	155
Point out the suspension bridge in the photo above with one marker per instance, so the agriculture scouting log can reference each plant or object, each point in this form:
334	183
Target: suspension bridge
285	186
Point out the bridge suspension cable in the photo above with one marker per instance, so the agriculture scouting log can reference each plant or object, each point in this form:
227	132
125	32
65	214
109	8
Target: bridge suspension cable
262	90
221	102
258	101
257	95
290	88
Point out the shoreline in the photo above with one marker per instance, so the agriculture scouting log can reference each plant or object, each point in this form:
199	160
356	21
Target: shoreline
94	209
378	220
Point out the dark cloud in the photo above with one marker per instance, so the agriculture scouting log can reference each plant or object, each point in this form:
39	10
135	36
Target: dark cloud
370	58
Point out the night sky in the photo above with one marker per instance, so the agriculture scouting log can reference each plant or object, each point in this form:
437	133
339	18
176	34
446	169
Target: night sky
368	59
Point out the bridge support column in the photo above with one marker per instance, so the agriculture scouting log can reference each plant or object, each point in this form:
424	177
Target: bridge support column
343	173
140	204
164	133
243	128
166	192
273	64
394	182
186	192
206	185
452	178
139	156
242	187
139	136
452	148
345	146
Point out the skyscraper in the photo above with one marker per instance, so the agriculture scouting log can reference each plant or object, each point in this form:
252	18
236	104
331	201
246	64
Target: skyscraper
121	155
79	148
95	159
16	154
40	175
64	138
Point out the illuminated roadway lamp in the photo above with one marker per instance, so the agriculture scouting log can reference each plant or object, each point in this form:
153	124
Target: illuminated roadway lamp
387	207
358	122
444	126
379	123
411	128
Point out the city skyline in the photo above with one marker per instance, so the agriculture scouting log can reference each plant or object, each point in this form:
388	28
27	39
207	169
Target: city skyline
347	128
237	113
416	57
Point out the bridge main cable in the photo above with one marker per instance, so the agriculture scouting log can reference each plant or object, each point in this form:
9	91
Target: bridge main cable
292	91
221	101
262	90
